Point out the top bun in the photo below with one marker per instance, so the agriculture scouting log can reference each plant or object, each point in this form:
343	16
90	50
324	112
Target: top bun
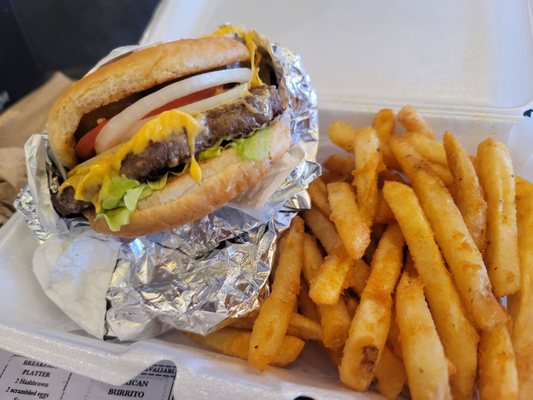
131	74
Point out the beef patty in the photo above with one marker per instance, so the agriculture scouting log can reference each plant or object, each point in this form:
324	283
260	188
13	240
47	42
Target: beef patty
227	122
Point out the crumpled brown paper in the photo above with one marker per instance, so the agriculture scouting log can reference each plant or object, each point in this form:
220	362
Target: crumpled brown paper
12	179
26	117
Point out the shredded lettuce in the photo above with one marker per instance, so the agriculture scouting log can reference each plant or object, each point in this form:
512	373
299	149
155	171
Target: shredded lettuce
119	195
254	147
116	218
213	151
113	190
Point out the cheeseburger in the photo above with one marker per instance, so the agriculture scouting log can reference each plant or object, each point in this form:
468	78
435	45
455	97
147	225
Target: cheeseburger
167	134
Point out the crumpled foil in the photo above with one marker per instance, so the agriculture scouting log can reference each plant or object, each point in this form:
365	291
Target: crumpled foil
197	276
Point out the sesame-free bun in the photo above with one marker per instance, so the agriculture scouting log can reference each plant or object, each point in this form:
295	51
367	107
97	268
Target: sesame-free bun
184	200
131	74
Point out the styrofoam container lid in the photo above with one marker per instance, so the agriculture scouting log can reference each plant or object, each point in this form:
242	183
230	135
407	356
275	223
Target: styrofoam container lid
474	56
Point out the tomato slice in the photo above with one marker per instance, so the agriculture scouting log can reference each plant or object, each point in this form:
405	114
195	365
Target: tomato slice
85	147
183	101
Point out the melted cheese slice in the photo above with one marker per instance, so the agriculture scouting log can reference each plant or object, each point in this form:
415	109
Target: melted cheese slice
248	37
87	178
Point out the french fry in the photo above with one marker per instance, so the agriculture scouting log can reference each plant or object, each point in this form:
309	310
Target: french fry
497	179
341	165
458	335
522	301
388	175
299	326
428	148
457	246
312	258
384	125
367	166
319	196
498	378
388	157
351	304
423	354
335	355
323	229
334	319
393	340
305	304
444	174
384	214
304	328
341	134
236	343
353	231
327	285
274	316
370	326
412	121
330	176
468	193
390	375
357	277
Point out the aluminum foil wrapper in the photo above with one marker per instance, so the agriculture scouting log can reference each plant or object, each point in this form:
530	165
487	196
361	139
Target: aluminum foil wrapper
192	278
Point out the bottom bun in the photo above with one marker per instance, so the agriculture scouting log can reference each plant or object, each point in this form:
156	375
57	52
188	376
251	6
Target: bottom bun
184	200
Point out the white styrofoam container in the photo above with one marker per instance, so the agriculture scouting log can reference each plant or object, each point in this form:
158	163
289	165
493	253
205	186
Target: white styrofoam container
467	66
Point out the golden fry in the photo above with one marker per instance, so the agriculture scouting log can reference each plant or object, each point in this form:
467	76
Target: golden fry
351	304
498	378
305	304
388	175
304	328
319	196
412	121
457	333
497	178
341	134
370	326
355	234
330	176
444	174
522	301
457	246
357	277
334	319
468	193
393	340
335	355
312	258
236	343
299	326
367	166
388	157
341	165
384	124
430	149
423	354
384	214
326	287
323	229
390	375
274	316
